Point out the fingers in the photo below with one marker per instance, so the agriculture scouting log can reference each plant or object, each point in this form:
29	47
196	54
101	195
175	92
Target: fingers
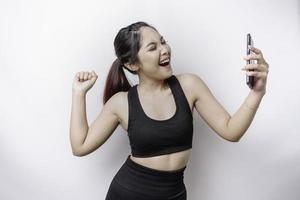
256	50
261	65
84	75
262	75
256	56
257	67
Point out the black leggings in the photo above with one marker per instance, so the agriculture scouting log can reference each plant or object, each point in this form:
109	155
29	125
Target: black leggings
137	182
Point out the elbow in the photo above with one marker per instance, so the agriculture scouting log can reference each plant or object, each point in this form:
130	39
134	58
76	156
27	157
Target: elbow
229	138
231	135
235	140
232	138
77	153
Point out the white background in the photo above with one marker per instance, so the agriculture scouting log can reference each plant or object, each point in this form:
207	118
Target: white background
44	43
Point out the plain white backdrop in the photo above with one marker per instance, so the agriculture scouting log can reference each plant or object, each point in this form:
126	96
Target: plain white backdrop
44	43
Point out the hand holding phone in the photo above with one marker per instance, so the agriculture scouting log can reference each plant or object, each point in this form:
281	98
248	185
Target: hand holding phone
249	79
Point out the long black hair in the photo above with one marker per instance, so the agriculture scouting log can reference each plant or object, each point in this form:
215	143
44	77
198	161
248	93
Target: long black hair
127	45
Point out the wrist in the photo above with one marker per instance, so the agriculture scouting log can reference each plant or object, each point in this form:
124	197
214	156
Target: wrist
258	93
78	93
250	107
253	100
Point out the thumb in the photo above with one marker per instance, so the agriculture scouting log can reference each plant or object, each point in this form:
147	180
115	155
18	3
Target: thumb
94	76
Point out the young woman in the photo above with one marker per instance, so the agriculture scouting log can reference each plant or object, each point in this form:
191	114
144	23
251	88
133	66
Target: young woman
157	113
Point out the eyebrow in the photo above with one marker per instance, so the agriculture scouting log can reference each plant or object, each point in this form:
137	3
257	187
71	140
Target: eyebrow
161	37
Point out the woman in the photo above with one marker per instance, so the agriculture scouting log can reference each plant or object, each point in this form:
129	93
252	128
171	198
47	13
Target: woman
157	113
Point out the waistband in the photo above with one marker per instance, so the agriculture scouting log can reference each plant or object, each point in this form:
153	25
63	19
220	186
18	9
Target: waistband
144	169
150	182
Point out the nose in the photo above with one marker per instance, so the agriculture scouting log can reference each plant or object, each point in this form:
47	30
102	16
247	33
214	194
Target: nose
164	50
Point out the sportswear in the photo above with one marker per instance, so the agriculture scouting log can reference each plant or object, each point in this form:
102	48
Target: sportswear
151	137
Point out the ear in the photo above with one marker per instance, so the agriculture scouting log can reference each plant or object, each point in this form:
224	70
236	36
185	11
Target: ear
132	67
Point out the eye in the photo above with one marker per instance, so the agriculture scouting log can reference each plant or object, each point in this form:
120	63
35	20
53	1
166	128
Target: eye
154	47
151	49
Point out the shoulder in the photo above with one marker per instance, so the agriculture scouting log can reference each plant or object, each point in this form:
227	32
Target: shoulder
189	80
117	98
192	84
116	102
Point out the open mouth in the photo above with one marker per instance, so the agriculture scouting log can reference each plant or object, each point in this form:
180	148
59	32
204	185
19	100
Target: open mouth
165	62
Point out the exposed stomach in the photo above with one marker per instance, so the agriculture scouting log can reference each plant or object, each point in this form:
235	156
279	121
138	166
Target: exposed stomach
167	162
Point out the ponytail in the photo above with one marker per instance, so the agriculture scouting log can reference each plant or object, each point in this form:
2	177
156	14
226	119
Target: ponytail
116	80
127	45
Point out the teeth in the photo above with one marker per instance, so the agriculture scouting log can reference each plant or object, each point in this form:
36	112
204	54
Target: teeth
165	61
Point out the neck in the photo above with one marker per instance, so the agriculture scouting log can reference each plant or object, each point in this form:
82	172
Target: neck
153	86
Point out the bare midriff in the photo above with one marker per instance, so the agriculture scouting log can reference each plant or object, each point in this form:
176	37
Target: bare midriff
167	162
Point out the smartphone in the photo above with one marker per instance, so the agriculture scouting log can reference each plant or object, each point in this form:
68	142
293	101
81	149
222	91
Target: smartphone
249	79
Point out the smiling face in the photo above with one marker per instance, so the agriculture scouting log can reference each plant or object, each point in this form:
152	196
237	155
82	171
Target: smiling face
153	50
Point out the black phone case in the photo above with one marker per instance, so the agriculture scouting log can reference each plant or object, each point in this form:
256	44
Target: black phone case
249	79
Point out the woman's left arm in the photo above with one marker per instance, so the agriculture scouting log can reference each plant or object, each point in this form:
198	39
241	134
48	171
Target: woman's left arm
231	128
241	120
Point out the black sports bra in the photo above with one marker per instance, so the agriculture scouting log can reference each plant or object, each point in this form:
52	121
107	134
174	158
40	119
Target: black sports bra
150	137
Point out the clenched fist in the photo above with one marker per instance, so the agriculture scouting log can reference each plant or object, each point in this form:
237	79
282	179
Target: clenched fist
83	81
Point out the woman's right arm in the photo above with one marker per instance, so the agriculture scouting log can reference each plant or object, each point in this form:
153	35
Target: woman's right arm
78	125
85	139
